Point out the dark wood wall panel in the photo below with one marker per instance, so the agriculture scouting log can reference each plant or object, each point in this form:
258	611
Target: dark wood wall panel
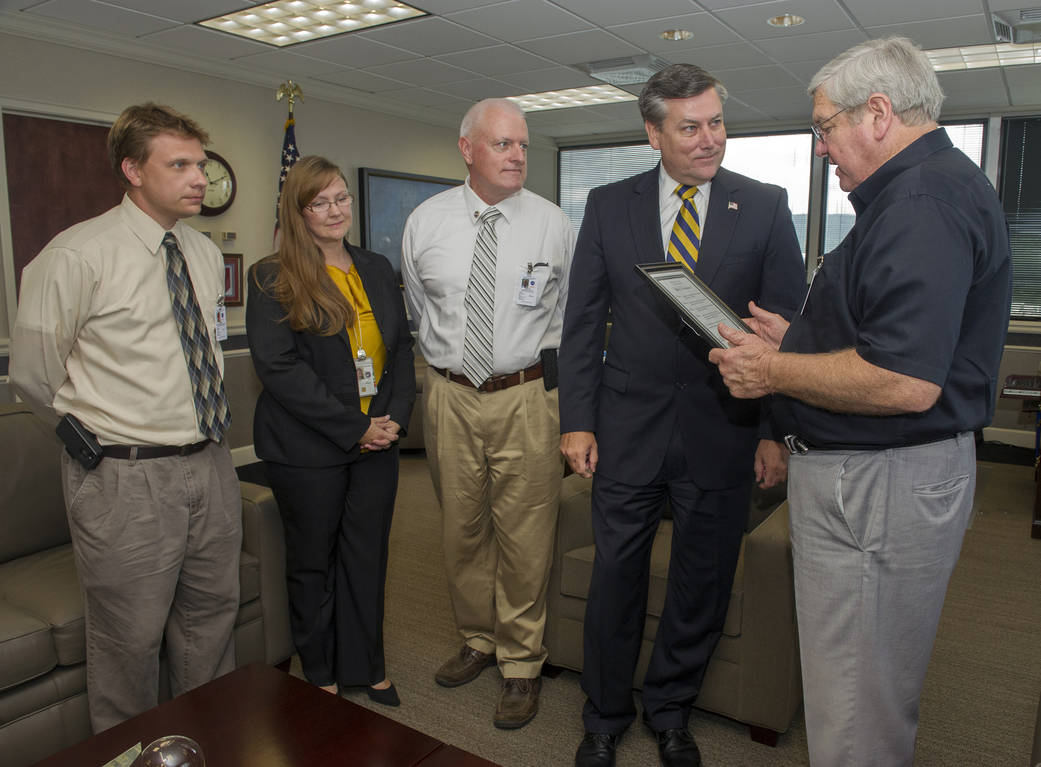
57	175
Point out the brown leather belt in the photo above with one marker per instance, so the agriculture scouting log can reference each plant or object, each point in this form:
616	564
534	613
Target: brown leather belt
495	383
141	452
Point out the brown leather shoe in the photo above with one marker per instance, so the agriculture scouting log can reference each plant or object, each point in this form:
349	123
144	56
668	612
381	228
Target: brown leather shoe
518	703
464	667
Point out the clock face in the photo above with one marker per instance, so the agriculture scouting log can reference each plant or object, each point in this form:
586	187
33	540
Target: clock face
220	185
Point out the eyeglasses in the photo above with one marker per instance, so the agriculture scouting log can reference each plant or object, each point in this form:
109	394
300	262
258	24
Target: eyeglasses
322	206
818	127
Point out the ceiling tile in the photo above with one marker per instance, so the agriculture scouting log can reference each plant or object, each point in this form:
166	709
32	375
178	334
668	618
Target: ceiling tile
481	88
102	16
965	100
560	116
451	6
183	10
736	113
805	70
822	45
360	80
553	79
1029	74
204	42
755	78
353	51
720	56
780	103
605	14
428	36
573	48
1026	95
426	97
941	33
750	21
495	60
520	20
287	64
647	34
628	111
972	80
421	72
872	13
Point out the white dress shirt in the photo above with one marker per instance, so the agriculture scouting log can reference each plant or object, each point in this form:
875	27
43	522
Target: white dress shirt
95	334
437	251
669	204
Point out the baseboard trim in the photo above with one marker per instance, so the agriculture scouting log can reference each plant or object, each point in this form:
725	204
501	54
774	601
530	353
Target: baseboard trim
1017	437
243	455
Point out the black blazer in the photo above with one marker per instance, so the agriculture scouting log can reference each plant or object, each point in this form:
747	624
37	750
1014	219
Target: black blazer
657	372
309	413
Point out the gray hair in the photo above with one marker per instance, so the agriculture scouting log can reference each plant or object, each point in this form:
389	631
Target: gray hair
676	81
894	66
474	114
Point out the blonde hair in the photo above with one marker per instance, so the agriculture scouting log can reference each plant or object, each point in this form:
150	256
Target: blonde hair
311	299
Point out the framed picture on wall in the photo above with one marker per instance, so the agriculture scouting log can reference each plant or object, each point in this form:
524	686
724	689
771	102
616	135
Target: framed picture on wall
385	199
233	279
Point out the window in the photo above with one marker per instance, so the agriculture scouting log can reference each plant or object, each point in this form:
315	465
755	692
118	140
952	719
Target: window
782	159
1021	198
839	214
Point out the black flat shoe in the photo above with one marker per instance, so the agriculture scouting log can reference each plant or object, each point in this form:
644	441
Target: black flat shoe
388	696
596	750
677	748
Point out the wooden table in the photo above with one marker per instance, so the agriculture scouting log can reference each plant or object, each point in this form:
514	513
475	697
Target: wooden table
262	717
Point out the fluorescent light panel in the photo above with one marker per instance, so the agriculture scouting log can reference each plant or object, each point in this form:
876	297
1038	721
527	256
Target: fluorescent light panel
592	95
983	56
288	22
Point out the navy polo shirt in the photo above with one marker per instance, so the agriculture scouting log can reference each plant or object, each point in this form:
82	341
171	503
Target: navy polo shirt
921	286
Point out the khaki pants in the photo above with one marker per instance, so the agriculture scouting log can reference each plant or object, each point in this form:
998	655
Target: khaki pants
496	465
156	544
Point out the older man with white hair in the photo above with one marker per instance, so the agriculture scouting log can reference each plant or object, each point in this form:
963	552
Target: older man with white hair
883	377
486	267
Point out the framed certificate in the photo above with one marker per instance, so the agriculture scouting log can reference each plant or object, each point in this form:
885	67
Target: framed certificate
699	308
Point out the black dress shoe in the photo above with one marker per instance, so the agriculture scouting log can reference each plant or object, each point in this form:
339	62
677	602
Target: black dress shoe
596	750
386	696
677	748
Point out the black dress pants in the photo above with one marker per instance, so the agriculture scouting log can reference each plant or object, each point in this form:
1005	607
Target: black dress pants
337	526
706	539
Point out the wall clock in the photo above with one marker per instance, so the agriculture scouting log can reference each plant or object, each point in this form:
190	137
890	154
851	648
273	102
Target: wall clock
220	185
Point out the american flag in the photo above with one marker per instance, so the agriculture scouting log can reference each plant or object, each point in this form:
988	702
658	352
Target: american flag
290	154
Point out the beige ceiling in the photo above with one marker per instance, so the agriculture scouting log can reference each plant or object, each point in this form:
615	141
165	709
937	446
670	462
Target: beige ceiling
433	67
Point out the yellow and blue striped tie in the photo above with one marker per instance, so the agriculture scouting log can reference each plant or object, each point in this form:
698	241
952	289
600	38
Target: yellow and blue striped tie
686	232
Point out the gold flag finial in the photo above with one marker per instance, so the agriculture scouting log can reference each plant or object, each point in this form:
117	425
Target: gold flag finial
291	91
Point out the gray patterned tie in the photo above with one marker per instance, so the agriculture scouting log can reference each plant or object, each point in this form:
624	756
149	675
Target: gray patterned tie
211	403
480	302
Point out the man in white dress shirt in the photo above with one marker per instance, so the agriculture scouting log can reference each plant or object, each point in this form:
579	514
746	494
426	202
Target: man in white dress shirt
486	267
118	326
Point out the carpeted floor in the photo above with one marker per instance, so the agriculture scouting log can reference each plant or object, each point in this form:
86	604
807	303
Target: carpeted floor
980	697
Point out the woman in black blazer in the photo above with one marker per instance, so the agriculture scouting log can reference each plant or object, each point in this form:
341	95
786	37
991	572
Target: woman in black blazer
331	346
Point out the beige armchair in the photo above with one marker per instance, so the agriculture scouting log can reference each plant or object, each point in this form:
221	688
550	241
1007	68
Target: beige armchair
754	674
43	678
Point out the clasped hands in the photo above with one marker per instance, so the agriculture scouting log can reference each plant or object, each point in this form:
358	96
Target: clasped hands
745	366
381	434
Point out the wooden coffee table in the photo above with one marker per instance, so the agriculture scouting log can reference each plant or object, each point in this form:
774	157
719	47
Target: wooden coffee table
262	717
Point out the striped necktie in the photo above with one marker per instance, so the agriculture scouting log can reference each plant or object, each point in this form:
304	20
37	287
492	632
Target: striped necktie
211	403
480	302
686	232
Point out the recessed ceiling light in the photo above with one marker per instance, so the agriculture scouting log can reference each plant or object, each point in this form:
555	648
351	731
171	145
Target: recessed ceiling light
786	20
983	56
676	34
304	20
590	96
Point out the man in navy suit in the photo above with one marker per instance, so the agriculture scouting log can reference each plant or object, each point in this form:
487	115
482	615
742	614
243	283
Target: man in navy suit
650	419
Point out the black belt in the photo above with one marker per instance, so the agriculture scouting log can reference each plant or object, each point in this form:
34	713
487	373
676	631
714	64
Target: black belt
798	446
141	452
495	383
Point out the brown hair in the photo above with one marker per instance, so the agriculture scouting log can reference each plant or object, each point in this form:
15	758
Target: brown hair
311	299
132	133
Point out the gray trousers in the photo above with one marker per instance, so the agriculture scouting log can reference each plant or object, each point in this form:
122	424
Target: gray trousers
875	536
156	544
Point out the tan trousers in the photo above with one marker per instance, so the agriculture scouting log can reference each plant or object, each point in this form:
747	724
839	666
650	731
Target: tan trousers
496	465
156	544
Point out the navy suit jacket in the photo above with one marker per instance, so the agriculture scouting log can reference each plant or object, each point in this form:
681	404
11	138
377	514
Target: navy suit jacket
656	373
309	413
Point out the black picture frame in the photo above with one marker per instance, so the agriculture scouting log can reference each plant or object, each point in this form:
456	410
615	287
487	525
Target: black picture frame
385	200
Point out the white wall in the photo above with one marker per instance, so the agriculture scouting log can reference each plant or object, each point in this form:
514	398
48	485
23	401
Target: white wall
245	124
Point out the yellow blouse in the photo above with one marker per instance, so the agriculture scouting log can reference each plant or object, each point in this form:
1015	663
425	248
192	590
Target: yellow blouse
365	334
